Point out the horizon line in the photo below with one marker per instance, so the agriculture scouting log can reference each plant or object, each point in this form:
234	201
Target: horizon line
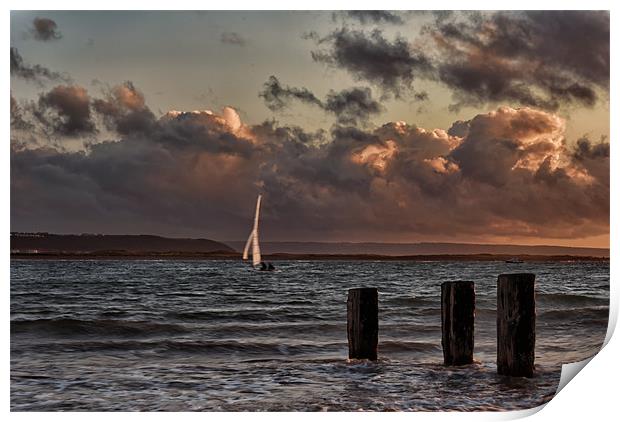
316	241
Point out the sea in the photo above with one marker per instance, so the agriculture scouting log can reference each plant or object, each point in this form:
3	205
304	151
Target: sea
166	335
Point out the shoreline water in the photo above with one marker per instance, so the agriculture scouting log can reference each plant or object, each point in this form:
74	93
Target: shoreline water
211	335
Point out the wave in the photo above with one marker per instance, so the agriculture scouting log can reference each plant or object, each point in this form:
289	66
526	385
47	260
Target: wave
207	347
228	347
395	346
279	313
567	314
67	327
411	301
597	313
574	300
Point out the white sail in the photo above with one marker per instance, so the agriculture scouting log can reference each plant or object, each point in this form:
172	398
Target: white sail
253	238
256	258
247	245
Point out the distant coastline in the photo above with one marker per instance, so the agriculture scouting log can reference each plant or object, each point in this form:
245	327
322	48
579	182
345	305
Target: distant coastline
420	248
103	246
223	255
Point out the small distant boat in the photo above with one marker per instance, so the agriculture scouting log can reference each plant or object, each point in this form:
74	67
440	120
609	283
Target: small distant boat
514	260
257	262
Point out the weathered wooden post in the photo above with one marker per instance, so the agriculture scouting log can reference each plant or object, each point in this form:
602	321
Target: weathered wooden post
458	304
516	324
363	323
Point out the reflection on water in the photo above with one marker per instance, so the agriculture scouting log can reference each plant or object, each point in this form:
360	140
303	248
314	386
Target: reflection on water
214	335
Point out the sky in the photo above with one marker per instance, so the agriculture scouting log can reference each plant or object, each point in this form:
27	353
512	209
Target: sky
480	127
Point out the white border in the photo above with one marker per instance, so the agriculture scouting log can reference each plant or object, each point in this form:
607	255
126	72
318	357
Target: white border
590	396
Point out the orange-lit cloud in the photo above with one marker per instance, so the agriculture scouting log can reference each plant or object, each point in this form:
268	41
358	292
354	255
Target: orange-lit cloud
506	173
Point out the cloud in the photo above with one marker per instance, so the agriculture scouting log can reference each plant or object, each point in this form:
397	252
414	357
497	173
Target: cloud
124	109
232	38
541	59
191	160
390	65
350	106
205	131
33	73
277	96
375	16
503	141
505	173
17	118
44	29
593	158
66	111
535	58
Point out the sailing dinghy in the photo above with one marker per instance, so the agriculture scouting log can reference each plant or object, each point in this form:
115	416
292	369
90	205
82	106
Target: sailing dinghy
257	262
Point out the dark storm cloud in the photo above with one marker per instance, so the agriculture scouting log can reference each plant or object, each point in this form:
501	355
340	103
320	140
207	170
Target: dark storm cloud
32	73
44	29
350	106
537	58
503	173
70	111
124	109
390	65
179	174
543	59
66	110
593	158
202	132
232	38
277	96
459	128
375	16
586	150
488	180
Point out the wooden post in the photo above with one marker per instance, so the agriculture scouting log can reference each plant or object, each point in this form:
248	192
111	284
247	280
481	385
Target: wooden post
516	324
458	304
363	323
